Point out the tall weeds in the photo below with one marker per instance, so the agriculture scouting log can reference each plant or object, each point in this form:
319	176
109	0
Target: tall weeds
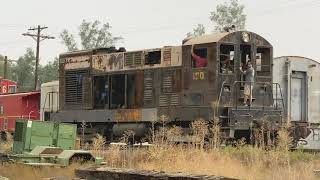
243	161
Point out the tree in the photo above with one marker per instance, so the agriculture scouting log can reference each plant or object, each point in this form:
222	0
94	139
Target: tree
23	71
49	72
92	35
228	14
198	31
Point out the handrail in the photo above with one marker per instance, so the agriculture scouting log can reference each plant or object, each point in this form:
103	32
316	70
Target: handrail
265	84
280	91
219	98
238	82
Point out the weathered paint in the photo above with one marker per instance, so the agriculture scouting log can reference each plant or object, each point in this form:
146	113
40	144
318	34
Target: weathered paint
112	62
124	115
77	62
284	69
105	115
108	62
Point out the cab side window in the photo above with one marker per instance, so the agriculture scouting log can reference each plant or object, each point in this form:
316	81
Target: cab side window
226	59
199	57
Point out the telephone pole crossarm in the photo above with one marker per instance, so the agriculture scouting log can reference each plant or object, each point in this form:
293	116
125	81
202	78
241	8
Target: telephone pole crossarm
38	37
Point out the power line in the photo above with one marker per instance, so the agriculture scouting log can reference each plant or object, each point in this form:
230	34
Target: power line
38	38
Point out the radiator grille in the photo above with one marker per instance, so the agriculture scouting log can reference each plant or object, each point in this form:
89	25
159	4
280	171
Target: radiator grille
138	58
167	82
134	58
169	100
167	56
163	100
129	59
74	87
174	100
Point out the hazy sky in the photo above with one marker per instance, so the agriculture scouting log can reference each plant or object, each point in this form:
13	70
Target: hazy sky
292	26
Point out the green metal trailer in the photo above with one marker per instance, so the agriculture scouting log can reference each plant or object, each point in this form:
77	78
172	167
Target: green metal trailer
47	143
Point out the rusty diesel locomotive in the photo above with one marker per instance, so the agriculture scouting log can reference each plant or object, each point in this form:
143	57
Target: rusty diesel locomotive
113	90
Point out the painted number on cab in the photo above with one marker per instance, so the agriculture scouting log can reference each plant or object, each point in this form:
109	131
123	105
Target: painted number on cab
198	75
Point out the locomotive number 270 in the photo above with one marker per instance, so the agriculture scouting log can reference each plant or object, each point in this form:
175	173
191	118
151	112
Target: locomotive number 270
198	76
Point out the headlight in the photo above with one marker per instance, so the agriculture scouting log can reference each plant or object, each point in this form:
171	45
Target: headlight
245	37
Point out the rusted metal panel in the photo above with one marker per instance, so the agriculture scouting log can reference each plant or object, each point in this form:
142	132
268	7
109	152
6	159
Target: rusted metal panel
176	57
139	89
108	62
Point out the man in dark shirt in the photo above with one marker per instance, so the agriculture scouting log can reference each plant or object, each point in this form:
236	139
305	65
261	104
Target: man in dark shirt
199	61
248	86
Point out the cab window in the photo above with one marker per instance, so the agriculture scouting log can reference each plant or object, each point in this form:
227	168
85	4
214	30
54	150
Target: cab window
226	59
199	57
263	65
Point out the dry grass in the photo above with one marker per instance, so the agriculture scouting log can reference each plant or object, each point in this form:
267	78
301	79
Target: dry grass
6	146
18	172
241	161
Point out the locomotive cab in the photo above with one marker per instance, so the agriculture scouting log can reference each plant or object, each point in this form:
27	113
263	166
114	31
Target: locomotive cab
232	52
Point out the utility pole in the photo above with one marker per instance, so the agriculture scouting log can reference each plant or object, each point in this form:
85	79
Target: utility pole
5	67
37	37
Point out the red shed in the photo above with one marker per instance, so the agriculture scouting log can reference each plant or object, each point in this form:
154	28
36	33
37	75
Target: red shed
18	105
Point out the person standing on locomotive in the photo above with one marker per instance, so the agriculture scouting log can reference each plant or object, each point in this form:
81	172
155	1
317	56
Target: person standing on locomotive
248	86
198	60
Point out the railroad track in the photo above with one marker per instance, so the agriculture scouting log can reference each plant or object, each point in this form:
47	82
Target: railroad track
107	173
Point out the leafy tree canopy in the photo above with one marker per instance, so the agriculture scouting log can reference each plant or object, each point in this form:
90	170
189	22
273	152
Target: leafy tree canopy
198	31
49	72
23	71
228	14
91	34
